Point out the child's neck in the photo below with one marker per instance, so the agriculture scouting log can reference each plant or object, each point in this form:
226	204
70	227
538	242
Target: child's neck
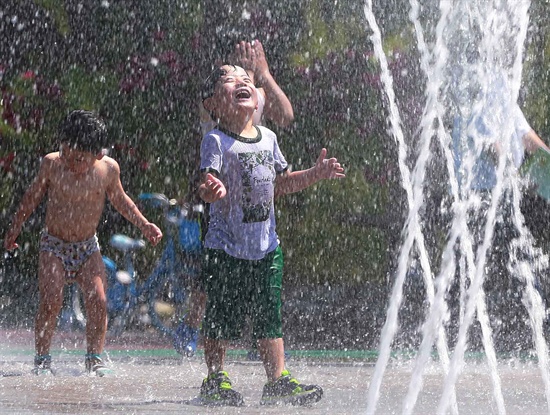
243	128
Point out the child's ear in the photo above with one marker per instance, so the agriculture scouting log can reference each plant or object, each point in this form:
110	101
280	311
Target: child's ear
208	104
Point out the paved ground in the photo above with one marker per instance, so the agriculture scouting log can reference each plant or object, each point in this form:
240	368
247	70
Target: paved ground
151	379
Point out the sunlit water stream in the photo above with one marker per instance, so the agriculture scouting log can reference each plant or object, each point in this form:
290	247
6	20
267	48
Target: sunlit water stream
477	52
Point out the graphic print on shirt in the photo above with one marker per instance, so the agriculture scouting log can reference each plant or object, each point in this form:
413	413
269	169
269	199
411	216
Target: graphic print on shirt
257	175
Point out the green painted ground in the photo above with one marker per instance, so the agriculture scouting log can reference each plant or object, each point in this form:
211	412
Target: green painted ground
365	356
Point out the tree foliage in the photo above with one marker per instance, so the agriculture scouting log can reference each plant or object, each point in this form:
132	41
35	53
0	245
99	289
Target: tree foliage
140	66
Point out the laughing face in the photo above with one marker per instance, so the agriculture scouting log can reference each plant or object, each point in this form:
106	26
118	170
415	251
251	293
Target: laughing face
234	94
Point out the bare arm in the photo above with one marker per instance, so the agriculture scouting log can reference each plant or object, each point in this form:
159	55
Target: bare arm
127	208
295	181
32	197
532	142
277	105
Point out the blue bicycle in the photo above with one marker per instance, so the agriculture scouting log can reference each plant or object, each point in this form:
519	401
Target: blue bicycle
164	292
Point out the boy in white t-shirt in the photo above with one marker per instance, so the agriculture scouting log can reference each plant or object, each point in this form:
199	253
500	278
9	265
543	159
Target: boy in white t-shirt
243	170
274	106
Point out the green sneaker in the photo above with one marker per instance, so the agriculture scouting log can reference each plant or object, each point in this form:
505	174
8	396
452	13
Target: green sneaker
42	365
95	365
216	390
287	390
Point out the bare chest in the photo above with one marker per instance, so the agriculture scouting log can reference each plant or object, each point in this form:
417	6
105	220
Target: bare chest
78	189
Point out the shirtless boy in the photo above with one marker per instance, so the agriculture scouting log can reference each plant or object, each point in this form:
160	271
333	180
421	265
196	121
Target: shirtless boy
75	180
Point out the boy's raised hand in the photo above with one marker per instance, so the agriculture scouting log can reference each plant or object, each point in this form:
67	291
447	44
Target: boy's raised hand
251	57
328	168
152	233
212	189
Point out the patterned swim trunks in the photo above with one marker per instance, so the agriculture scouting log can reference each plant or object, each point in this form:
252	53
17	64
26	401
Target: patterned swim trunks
72	254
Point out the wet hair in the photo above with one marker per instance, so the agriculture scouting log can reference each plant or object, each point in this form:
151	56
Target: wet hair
84	131
209	84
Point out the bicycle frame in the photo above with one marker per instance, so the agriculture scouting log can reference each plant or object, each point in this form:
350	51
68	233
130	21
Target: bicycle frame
165	265
164	286
167	271
120	295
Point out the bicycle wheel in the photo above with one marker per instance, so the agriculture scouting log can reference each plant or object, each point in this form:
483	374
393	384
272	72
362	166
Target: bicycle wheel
78	306
167	302
120	307
119	299
73	314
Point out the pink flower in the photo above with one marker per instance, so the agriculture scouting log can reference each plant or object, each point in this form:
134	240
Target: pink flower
168	56
159	35
6	162
28	75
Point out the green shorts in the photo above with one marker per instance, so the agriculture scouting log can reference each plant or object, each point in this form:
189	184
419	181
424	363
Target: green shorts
237	288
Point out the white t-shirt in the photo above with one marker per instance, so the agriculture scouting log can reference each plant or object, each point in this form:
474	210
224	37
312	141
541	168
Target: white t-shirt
497	113
243	222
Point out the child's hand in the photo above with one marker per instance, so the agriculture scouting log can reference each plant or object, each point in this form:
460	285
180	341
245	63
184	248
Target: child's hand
212	189
328	168
152	233
251	57
9	240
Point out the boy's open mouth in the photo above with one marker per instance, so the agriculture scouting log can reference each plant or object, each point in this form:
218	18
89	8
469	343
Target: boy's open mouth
243	94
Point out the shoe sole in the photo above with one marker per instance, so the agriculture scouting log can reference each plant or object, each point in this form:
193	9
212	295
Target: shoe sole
211	402
296	400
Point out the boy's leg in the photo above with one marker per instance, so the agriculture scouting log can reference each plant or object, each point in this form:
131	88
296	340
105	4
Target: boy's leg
93	282
51	280
272	352
281	387
214	355
221	323
266	313
216	388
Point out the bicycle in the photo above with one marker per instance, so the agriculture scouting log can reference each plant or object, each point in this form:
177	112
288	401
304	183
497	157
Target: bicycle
164	292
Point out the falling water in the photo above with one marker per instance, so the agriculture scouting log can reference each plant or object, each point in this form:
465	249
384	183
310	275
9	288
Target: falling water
434	81
390	327
482	63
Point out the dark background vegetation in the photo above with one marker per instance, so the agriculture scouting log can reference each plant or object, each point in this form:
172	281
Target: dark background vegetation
140	66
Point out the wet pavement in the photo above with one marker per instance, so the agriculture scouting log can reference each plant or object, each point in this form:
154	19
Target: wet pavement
150	378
